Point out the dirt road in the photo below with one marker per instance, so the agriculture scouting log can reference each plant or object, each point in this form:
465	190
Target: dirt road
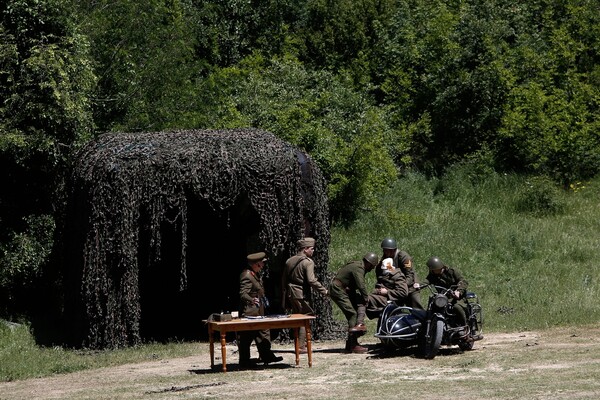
555	363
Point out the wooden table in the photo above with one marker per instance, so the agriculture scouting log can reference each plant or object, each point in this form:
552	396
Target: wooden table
294	321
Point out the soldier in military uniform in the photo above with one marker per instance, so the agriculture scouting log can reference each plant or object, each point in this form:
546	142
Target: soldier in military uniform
348	291
403	261
390	286
442	275
297	279
252	295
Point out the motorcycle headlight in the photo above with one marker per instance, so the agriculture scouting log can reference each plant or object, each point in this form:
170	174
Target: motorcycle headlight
440	301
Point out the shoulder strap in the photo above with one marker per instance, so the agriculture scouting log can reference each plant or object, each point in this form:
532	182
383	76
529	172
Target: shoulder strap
297	263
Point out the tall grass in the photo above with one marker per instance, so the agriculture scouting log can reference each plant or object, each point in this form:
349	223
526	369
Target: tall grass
527	248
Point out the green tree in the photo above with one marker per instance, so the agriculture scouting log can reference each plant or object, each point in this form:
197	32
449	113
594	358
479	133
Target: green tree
551	119
143	57
463	78
325	116
227	31
45	84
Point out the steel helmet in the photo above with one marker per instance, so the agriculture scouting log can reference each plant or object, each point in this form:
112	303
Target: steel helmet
434	263
389	243
372	259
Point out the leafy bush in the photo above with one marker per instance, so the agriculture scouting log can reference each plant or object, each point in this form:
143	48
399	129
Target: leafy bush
22	259
541	197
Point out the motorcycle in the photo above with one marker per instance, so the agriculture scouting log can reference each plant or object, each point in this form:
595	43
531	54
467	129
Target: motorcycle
429	329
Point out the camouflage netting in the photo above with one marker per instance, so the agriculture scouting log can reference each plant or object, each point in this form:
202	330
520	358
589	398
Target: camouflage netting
160	224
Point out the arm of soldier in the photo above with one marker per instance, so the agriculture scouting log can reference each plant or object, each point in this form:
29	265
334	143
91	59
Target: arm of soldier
461	283
399	289
415	283
411	278
312	279
424	282
359	278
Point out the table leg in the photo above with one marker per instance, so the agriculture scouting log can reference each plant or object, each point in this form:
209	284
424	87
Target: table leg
212	346
308	342
297	345
224	350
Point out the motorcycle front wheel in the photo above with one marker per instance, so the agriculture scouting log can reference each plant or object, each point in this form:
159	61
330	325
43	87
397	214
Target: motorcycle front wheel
433	339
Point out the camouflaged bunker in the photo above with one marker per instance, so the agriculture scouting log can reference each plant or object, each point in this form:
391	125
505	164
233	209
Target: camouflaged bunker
159	225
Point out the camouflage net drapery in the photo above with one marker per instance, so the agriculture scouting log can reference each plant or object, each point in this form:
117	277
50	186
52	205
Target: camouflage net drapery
121	180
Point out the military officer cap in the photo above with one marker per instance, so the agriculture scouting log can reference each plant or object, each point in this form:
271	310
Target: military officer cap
256	257
306	242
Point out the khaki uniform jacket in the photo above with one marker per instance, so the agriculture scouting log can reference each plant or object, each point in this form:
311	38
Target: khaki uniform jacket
352	276
395	283
300	276
251	286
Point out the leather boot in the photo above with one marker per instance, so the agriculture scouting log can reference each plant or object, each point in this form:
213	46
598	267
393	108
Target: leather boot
361	311
357	348
359	329
349	343
244	356
302	340
266	354
352	345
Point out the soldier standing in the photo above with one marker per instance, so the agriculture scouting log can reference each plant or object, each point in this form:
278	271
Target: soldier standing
298	279
348	291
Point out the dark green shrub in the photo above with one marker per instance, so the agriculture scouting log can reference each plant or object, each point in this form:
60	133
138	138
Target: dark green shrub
541	197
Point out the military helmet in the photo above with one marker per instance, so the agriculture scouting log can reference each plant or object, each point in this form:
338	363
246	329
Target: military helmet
434	263
389	243
371	258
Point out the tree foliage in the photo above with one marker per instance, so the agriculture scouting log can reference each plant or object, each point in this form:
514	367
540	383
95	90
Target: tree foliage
467	68
445	78
45	83
324	115
143	56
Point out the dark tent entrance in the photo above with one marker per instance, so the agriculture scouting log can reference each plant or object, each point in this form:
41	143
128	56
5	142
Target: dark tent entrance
173	305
